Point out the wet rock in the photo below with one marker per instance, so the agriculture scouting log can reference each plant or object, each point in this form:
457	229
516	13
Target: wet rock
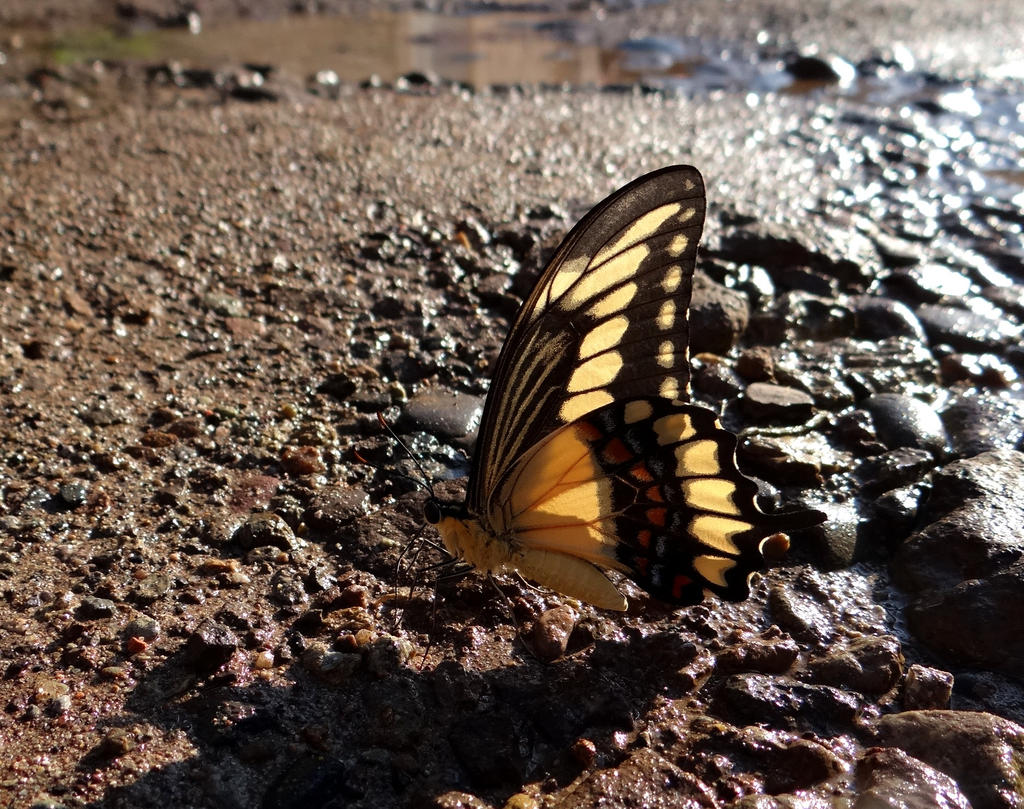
785	460
263	529
893	516
896	252
930	283
386	655
1008	298
781	702
850	370
93	608
893	469
771	654
925	687
881	318
982	753
888	778
972	524
340	386
869	665
717	380
211	645
802	315
337	509
799	614
965	330
250	491
977	621
143	627
787	762
643	779
983	370
762	245
551	632
288	587
756	364
302	461
983	421
903	421
151	588
765	402
828	69
459	800
718	316
73	493
442	413
329	665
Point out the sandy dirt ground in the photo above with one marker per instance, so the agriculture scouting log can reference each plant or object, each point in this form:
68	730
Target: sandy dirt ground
206	301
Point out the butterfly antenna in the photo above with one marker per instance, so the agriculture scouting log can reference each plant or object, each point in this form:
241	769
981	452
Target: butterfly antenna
425	482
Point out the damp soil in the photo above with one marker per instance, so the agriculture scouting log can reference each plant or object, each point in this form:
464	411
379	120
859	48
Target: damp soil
215	277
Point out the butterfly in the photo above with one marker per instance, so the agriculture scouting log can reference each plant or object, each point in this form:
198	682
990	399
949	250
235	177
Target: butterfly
588	455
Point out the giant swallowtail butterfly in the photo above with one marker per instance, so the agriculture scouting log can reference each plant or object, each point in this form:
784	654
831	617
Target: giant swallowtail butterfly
588	457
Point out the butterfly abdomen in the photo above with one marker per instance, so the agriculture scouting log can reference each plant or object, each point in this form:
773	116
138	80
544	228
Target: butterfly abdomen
468	540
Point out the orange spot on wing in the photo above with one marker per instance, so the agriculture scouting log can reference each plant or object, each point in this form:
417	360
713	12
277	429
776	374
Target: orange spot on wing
654	495
641	474
679	583
643	539
588	431
616	452
656	516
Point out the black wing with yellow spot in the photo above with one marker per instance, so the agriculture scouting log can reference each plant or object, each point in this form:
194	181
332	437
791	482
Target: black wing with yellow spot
607	321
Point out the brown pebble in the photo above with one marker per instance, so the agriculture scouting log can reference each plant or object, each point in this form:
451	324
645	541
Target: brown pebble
551	632
925	688
584	752
302	461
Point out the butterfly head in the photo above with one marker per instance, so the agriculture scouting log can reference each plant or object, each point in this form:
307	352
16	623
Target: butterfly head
435	510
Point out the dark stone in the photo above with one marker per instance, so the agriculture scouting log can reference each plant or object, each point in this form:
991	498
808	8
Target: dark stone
979	621
965	330
903	421
93	608
888	777
966	563
894	469
930	283
337	509
551	632
644	779
781	702
982	753
881	318
444	414
265	528
982	421
925	688
718	316
211	645
765	402
869	665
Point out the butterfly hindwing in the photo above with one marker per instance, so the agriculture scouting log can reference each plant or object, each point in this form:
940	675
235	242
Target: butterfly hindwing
649	487
606	321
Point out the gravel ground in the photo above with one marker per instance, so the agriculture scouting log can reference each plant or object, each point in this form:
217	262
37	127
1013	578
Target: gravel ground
209	293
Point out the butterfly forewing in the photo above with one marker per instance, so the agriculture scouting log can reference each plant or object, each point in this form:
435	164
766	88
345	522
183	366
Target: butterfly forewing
606	322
